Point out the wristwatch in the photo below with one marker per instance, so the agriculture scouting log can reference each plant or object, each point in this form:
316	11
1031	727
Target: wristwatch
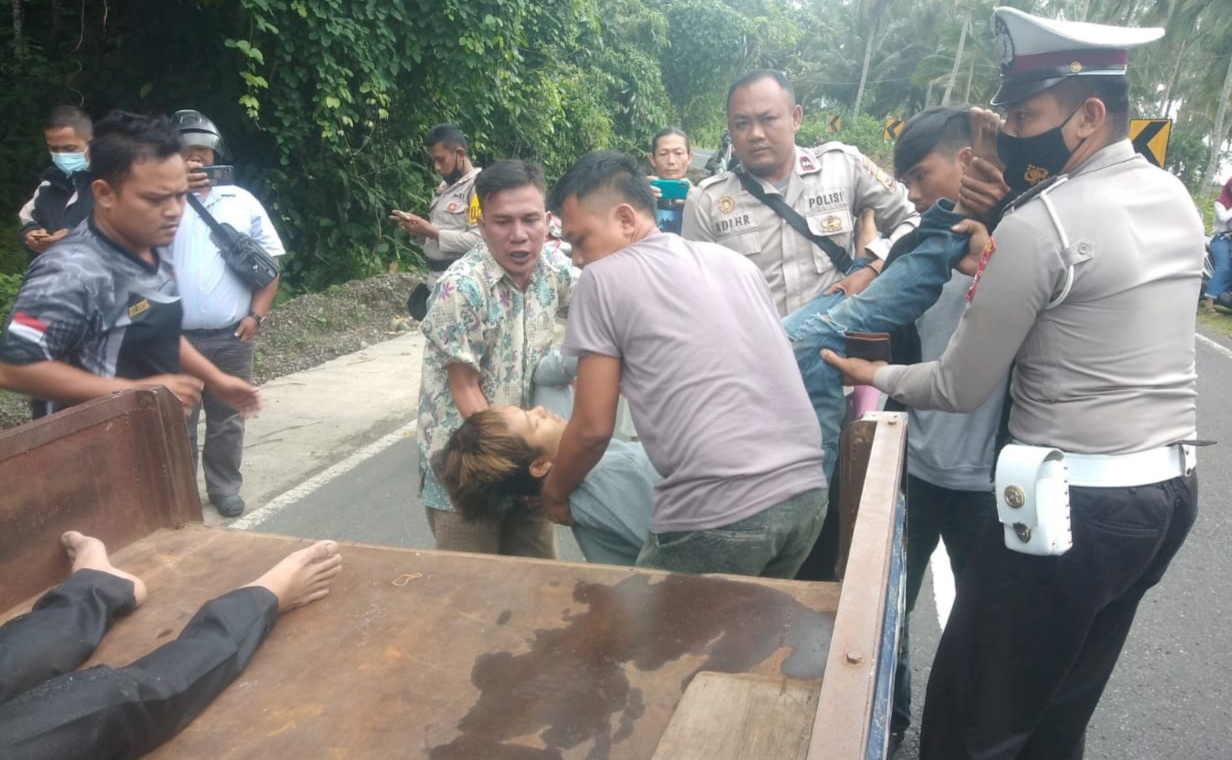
259	317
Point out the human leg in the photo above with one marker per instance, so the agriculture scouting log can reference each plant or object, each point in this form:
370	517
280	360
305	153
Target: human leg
126	712
454	533
1027	633
68	622
223	451
894	300
1221	279
773	542
527	533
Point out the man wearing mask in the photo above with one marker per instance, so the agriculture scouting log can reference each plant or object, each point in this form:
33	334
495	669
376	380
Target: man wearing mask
1088	297
222	312
63	198
451	228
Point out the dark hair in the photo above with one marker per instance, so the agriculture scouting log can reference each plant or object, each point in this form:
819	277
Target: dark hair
668	132
123	139
509	174
605	170
946	127
445	134
756	76
72	117
484	465
1073	91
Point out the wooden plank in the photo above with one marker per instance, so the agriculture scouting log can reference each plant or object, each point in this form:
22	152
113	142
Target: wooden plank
424	654
733	717
840	730
856	443
117	467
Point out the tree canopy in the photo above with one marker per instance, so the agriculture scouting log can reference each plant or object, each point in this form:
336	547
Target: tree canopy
324	102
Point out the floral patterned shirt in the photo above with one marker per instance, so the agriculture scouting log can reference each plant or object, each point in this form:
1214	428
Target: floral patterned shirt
477	316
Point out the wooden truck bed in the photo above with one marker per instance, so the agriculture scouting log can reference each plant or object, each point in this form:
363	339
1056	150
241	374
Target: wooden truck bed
448	656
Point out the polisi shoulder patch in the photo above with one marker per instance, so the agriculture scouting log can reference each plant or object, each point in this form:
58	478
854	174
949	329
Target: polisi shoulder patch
711	181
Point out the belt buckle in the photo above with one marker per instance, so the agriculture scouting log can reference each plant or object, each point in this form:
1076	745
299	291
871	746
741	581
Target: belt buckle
1189	459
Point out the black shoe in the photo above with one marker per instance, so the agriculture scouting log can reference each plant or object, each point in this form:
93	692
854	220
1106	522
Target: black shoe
1224	300
896	743
230	505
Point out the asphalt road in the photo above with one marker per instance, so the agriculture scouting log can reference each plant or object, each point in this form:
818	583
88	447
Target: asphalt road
1169	697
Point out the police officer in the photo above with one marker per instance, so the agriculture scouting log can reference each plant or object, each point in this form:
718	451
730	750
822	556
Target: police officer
1087	292
828	187
451	228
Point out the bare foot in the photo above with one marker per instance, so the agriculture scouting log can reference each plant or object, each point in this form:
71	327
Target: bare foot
302	577
88	553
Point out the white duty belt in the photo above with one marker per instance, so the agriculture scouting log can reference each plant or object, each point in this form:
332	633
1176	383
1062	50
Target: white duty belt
1128	470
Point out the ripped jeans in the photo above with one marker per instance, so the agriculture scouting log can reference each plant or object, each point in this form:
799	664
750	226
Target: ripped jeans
894	300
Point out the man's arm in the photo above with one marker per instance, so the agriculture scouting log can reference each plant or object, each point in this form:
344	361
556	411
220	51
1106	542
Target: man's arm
696	224
1015	286
458	242
874	189
262	301
464	387
587	435
245	397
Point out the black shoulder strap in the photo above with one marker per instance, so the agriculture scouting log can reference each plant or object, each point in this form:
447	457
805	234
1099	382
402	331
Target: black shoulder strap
838	257
206	216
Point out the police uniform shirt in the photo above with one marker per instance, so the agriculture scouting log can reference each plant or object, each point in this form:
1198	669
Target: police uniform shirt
1110	368
455	212
90	303
829	188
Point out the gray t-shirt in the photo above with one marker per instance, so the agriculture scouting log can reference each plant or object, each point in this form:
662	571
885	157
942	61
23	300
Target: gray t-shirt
949	449
709	374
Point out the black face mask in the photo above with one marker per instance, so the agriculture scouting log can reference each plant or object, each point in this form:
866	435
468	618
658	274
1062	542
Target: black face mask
1031	160
456	174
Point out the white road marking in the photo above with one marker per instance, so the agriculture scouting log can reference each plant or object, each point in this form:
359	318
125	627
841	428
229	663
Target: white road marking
943	583
281	502
1215	345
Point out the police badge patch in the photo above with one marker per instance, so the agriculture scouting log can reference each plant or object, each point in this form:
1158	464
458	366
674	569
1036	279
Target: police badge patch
727	204
452	207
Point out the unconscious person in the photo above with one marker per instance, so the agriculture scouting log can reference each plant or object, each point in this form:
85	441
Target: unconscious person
51	711
497	460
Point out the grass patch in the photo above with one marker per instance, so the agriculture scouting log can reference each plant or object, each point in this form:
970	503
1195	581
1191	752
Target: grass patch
1219	324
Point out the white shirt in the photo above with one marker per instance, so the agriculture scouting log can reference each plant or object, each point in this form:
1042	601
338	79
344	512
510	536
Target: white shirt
213	296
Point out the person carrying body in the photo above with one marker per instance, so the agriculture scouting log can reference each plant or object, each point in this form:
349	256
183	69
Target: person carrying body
690	332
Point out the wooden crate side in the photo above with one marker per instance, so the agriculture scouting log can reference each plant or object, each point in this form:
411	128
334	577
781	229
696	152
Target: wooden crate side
841	726
117	467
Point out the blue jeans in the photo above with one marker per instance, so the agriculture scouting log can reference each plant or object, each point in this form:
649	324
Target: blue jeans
772	543
1221	256
894	300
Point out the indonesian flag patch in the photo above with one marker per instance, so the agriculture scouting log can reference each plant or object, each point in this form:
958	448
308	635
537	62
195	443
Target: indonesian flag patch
28	328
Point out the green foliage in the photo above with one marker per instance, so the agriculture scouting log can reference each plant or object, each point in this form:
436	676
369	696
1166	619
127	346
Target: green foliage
863	131
9	285
1187	156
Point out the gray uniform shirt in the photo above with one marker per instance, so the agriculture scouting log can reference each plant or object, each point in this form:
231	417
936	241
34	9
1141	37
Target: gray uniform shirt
710	376
455	212
829	187
1110	370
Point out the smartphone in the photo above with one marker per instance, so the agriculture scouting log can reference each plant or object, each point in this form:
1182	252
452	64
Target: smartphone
672	189
219	174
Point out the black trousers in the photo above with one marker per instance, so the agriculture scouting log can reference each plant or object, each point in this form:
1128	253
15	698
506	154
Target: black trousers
1032	641
50	711
934	514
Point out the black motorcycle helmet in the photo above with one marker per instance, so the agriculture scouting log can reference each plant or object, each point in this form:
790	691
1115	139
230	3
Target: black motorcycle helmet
196	129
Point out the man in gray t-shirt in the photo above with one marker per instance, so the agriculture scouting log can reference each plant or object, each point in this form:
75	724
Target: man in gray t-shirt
690	332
